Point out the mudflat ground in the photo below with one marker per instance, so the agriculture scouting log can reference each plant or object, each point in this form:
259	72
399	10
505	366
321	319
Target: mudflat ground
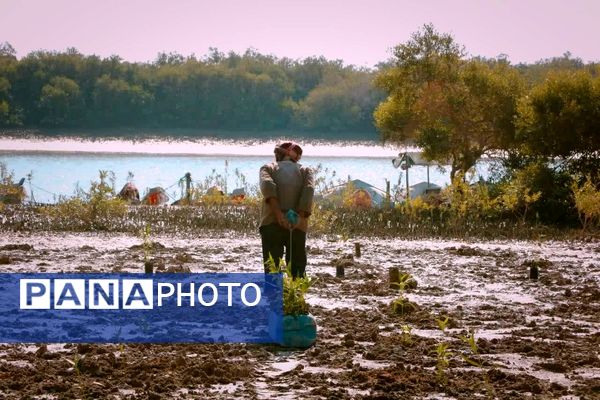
535	339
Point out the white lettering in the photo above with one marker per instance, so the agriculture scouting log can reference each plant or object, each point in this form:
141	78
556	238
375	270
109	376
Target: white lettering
162	295
229	295
243	294
103	294
181	293
215	294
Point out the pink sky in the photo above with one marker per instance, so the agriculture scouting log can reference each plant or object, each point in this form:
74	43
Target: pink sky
358	32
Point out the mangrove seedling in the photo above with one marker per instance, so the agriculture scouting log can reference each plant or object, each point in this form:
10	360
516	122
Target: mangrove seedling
443	323
294	289
469	339
401	280
442	352
76	363
402	305
443	361
272	266
406	334
147	248
407	281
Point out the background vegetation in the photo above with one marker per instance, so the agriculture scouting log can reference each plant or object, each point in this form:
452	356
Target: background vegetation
253	92
509	209
541	121
458	109
249	92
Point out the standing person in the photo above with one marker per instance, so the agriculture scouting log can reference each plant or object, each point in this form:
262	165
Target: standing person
286	185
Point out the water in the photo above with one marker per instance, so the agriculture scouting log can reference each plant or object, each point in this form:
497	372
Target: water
60	166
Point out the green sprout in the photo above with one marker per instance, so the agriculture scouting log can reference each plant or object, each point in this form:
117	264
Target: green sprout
76	363
469	339
294	289
443	323
443	361
405	281
402	305
406	334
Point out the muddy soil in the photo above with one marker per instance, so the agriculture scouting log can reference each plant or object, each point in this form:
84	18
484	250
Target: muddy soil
536	339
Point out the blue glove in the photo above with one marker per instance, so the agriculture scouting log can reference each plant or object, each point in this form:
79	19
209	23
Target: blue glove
292	216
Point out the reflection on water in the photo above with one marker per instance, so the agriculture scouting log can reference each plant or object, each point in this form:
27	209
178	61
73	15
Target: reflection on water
58	166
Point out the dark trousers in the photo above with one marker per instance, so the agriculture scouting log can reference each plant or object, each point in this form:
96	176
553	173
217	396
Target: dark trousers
275	238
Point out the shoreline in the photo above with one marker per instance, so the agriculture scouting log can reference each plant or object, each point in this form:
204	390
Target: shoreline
183	134
188	146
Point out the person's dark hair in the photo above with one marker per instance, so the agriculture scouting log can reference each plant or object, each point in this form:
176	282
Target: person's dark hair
284	149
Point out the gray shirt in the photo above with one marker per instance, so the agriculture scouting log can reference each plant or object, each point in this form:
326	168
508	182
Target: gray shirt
292	185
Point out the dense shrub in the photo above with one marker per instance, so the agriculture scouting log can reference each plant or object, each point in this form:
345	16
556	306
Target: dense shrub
10	193
587	201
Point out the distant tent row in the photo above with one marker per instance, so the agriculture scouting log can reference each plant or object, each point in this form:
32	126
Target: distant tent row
157	196
358	193
361	194
354	193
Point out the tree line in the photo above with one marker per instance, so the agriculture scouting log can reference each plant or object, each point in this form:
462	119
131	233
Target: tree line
249	92
429	93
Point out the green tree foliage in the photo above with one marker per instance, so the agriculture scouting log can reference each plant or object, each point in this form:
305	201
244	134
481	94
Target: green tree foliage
537	72
4	102
339	103
246	92
9	113
60	102
115	101
454	109
560	118
517	196
542	120
541	190
468	202
309	73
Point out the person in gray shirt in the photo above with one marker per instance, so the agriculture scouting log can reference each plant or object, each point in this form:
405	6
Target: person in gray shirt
286	185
